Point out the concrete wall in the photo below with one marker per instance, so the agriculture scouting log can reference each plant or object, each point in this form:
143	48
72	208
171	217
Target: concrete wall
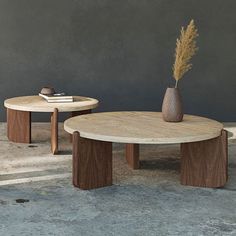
119	51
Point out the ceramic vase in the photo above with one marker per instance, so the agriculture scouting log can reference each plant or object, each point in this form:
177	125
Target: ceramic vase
172	108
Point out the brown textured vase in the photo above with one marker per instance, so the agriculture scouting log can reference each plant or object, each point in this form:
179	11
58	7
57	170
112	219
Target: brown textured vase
172	108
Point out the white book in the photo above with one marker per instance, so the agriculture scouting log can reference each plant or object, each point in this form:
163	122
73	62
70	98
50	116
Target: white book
51	97
57	98
55	101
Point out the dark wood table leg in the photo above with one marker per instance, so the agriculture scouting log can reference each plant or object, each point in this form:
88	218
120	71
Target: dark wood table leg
92	163
79	113
54	131
19	126
205	163
132	155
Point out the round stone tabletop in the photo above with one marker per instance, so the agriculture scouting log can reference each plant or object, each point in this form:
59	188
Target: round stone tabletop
39	104
142	127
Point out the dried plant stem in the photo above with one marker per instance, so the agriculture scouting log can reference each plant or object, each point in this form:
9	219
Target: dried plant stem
176	83
185	49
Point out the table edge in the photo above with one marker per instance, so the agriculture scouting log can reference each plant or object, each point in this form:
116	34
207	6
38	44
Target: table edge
94	104
115	139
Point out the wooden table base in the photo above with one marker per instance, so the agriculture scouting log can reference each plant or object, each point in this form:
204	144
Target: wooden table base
54	131
92	163
132	155
205	163
79	113
19	126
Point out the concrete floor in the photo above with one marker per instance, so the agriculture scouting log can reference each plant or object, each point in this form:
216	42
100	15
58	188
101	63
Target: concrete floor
149	201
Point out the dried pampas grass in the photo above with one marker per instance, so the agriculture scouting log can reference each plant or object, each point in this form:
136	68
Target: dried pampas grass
185	49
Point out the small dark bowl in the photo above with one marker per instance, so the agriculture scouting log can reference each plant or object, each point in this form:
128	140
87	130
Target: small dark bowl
47	91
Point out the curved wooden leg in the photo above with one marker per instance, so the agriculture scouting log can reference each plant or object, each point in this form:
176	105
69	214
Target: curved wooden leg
132	155
54	131
205	163
19	126
92	163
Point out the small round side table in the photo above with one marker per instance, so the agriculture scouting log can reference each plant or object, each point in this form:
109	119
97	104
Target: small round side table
19	115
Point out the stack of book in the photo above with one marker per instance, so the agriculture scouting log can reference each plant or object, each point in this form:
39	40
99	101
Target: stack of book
57	98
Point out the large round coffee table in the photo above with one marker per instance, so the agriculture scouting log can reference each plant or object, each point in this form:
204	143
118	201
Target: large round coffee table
203	146
19	115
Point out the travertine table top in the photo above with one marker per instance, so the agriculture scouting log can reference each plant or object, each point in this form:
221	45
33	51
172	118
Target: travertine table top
142	127
39	104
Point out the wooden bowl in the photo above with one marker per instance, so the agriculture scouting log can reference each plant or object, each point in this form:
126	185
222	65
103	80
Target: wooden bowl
47	91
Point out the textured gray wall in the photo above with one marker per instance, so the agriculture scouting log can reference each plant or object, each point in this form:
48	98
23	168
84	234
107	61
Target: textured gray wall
119	51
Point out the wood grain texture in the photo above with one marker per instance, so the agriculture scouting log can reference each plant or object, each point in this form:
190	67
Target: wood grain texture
205	163
54	131
132	155
142	128
19	126
75	159
92	163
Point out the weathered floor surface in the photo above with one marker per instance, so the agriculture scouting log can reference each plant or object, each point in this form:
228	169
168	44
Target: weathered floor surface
149	201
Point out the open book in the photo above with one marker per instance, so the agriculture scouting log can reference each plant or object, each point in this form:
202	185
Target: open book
57	98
